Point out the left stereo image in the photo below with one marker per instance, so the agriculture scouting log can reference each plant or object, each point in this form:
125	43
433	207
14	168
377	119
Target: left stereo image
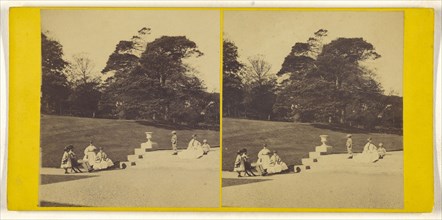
130	108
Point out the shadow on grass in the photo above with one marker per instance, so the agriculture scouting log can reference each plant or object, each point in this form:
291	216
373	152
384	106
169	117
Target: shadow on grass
239	181
48	179
56	204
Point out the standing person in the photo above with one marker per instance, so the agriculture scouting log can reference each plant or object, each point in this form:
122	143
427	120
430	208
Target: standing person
239	166
174	141
349	145
206	147
90	153
264	158
66	161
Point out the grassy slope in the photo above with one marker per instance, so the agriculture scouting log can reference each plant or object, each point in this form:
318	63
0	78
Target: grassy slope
118	137
293	141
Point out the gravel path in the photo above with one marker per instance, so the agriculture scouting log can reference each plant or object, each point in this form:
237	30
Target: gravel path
334	182
177	184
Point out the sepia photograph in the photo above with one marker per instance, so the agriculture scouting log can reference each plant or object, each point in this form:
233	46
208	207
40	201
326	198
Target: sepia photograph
312	109
130	108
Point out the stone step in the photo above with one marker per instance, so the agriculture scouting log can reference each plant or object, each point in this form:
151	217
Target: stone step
324	149
301	168
149	145
134	157
315	154
309	161
124	165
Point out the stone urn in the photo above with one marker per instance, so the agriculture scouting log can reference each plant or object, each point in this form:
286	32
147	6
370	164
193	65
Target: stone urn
324	148
324	139
149	144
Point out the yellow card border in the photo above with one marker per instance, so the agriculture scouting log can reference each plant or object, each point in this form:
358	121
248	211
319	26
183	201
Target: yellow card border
24	111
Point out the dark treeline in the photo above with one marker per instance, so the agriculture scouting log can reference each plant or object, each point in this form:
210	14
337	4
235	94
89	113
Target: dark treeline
148	81
317	83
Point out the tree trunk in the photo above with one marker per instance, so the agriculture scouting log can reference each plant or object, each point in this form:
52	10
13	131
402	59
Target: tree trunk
342	118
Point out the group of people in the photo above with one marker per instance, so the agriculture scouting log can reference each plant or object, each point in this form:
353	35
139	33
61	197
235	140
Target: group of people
94	159
268	163
194	149
371	152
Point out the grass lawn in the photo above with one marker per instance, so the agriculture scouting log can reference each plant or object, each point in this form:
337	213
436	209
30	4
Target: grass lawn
293	141
118	137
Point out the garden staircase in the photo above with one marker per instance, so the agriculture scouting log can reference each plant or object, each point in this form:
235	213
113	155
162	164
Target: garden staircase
313	158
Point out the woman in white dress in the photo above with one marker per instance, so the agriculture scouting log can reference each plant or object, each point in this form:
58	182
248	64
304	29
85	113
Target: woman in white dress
90	154
193	151
264	158
369	154
276	164
102	161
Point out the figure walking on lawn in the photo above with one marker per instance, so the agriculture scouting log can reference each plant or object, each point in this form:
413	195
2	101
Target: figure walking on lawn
349	145
174	141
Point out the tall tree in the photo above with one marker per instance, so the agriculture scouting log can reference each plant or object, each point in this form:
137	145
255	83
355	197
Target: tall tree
232	85
164	56
55	88
160	85
258	88
85	83
119	65
259	70
328	86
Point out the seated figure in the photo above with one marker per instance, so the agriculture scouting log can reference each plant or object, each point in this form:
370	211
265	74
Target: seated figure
193	151
382	151
369	154
276	164
205	146
102	161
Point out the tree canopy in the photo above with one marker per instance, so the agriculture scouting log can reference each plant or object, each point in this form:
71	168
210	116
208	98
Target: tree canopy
55	87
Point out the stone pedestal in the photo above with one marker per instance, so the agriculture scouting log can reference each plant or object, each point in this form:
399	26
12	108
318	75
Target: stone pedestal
324	148
149	144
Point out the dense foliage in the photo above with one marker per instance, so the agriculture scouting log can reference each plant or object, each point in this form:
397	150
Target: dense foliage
147	81
317	83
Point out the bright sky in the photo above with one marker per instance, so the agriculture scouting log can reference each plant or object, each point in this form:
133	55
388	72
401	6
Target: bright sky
273	33
96	33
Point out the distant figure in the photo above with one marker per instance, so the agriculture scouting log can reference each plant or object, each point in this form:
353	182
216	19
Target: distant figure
382	151
239	166
206	147
193	151
66	161
276	164
174	141
102	161
90	153
349	145
264	158
369	154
